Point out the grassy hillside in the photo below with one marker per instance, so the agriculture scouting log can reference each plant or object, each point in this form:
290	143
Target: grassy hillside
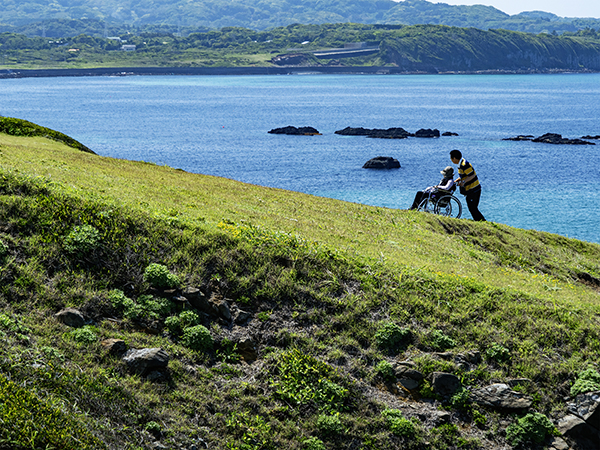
334	295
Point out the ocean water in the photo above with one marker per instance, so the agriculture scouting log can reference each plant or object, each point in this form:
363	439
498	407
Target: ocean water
219	125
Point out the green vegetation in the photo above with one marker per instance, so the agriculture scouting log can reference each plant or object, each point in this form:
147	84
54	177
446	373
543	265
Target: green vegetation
117	17
587	381
344	286
430	48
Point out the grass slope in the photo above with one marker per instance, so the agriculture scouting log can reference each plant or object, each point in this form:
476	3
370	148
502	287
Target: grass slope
322	281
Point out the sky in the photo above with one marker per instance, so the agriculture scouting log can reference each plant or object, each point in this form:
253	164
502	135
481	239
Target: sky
563	8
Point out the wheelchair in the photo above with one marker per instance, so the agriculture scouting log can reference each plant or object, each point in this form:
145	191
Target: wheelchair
441	202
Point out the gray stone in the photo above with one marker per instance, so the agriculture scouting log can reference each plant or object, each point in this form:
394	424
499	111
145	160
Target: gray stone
587	406
577	430
114	346
408	377
247	349
559	443
71	317
501	396
242	317
445	384
146	360
224	311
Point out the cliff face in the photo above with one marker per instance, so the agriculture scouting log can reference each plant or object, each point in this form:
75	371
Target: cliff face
435	49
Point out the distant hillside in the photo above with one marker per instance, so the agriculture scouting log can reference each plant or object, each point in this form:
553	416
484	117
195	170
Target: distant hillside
417	48
55	18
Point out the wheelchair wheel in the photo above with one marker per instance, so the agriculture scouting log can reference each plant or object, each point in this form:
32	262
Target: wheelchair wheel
448	206
427	205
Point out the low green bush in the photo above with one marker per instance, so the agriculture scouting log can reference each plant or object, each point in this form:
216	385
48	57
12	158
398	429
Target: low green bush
82	240
532	428
177	324
84	335
385	370
398	424
330	424
159	276
497	353
437	340
588	381
390	337
197	338
313	443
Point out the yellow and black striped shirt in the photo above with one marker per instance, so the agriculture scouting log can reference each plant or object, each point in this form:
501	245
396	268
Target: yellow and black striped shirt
465	170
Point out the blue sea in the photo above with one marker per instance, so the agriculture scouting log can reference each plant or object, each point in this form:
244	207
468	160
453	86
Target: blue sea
219	125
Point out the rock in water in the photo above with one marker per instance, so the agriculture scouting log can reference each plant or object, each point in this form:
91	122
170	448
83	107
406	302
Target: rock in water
293	131
382	162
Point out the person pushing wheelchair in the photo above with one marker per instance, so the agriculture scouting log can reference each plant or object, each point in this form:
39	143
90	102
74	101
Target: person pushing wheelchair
446	184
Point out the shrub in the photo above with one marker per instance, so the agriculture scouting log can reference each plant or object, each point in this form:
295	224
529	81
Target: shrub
159	276
313	443
385	370
460	399
533	427
440	341
390	336
330	424
398	424
82	240
120	301
497	353
176	324
3	250
588	381
84	335
197	338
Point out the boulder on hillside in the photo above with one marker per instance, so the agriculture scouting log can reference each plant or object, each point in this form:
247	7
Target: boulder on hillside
445	384
71	317
382	162
294	131
146	360
114	346
501	396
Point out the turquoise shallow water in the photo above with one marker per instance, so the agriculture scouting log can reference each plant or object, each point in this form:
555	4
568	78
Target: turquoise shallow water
218	125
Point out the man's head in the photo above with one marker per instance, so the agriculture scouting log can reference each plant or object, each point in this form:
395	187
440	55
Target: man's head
455	156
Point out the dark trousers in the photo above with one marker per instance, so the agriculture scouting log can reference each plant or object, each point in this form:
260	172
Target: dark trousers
472	199
418	198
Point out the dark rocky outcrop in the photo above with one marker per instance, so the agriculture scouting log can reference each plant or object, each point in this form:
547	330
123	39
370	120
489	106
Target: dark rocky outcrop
553	138
382	162
591	137
427	133
445	384
294	131
449	133
520	137
114	346
500	396
71	317
389	133
146	360
291	59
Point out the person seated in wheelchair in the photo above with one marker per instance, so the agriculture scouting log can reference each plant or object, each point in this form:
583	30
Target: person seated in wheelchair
445	186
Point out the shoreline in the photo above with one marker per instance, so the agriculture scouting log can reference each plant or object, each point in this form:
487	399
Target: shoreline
284	70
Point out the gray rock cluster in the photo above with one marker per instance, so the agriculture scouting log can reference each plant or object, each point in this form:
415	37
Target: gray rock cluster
552	138
382	162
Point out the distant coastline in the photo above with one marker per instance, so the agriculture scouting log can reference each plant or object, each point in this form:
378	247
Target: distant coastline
285	70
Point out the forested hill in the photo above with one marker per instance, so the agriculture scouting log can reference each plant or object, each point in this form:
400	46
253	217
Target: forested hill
59	18
417	48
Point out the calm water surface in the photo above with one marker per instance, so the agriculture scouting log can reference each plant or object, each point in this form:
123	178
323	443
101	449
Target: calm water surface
218	125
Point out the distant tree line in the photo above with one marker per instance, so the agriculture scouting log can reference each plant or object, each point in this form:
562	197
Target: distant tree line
73	17
429	48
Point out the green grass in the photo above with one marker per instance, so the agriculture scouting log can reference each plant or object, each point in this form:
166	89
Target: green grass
321	279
